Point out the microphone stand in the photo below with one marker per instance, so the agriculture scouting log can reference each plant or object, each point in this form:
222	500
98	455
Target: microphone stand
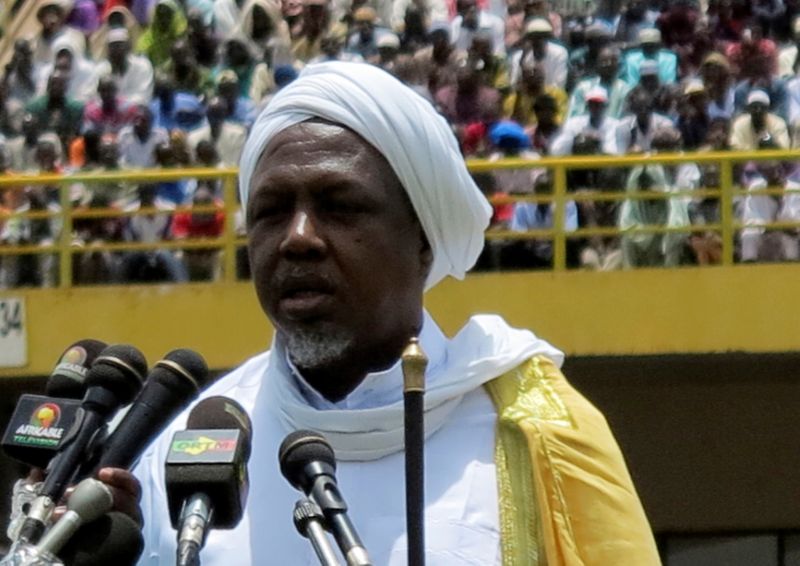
309	520
414	363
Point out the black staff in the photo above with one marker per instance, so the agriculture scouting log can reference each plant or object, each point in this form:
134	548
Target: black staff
414	364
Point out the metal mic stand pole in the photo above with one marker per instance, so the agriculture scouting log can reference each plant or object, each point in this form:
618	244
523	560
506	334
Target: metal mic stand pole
308	520
414	363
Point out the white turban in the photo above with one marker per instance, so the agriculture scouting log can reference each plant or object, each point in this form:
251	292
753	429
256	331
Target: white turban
415	140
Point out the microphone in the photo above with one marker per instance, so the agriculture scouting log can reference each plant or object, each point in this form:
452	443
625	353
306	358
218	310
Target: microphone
206	474
172	384
114	539
307	461
39	422
90	501
113	380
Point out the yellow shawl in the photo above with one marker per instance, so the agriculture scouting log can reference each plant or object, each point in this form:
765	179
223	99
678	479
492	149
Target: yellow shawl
566	498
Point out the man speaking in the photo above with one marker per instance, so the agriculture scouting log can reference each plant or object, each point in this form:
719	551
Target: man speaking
357	201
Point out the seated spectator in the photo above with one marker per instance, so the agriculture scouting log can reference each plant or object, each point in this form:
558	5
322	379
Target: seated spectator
228	138
315	24
758	243
169	192
11	113
538	252
203	42
61	113
753	52
770	15
635	18
757	127
718	135
363	39
414	35
132	73
92	266
509	140
388	52
648	249
685	32
440	61
19	78
649	50
51	15
584	61
634	133
706	246
168	25
185	72
595	124
606	76
84	151
69	59
494	68
152	266
175	110
787	57
241	109
693	119
331	48
547	125
138	141
116	18
717	80
108	113
471	20
201	264
255	80
22	149
518	105
469	100
537	46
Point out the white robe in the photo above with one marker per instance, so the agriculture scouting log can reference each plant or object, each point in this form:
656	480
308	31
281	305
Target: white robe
462	515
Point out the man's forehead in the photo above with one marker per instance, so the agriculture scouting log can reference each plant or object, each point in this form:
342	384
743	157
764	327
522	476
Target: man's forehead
316	135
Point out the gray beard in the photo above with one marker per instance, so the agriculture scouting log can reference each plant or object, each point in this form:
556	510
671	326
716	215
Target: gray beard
315	348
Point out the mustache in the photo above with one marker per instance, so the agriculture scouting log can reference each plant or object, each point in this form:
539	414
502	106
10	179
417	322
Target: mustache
301	278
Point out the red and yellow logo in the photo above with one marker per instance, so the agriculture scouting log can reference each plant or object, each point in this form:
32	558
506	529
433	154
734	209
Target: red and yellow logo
46	415
75	355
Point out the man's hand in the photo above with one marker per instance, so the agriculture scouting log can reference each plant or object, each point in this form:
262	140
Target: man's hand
127	492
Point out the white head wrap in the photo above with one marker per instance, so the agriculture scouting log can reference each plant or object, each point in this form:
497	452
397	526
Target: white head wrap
415	140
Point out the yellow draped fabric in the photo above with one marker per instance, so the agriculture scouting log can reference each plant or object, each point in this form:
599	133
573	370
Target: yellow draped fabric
566	498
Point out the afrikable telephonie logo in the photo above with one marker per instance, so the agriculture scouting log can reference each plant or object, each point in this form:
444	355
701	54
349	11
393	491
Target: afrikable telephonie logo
202	445
73	363
42	429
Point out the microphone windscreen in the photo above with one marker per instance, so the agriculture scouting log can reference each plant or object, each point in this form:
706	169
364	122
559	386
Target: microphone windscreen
120	368
114	539
219	413
67	380
299	449
190	364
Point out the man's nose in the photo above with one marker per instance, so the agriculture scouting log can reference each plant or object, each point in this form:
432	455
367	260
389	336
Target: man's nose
302	237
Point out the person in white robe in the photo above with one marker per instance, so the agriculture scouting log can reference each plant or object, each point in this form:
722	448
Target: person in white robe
334	115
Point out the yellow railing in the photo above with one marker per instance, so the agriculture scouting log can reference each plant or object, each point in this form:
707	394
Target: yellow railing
559	167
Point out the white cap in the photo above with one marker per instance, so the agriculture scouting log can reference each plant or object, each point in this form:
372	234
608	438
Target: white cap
650	35
388	40
117	35
758	95
597	94
538	25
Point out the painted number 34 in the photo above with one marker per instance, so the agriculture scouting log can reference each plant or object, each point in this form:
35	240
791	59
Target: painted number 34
10	317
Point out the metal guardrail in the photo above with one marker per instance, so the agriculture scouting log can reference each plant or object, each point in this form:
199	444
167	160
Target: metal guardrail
229	242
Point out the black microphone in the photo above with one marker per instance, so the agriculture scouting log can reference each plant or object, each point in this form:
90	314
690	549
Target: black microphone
206	474
172	384
307	461
113	381
39	422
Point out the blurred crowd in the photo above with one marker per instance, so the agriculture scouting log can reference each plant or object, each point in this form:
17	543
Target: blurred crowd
104	85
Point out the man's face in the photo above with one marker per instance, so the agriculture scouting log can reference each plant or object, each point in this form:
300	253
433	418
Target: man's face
758	112
339	259
118	50
162	18
143	121
468	10
57	86
107	91
607	64
51	19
